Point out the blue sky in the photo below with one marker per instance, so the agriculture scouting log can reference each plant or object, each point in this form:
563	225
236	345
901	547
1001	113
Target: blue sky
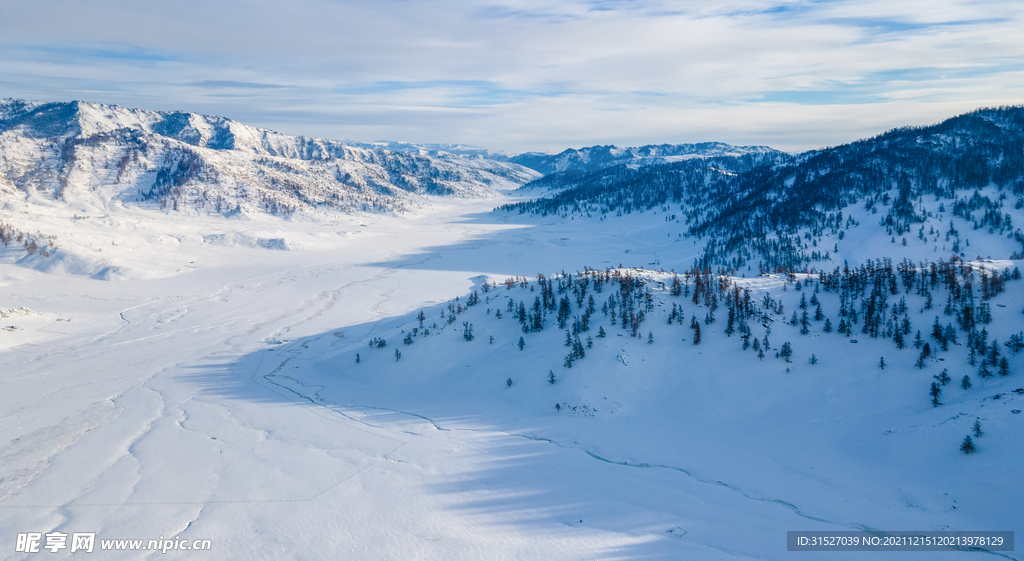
520	75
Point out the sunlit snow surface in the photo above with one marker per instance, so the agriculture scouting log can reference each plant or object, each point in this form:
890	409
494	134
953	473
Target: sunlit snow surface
208	389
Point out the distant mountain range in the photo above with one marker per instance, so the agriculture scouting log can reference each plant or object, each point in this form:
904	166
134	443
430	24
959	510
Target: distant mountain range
95	154
596	158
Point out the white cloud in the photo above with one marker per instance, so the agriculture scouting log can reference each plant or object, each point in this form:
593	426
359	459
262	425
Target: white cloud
526	75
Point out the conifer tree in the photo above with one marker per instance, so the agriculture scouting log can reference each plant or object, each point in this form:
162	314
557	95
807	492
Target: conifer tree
551	376
650	337
522	343
600	332
967	447
786	352
965	382
935	392
977	428
881	363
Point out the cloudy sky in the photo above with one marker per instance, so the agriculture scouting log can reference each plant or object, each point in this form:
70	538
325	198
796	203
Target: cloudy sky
520	75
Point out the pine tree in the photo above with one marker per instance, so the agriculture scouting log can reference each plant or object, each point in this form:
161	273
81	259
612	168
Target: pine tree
977	428
398	355
508	383
696	333
551	376
993	354
357	358
967	447
935	392
813	359
492	339
568	339
786	352
965	383
522	343
881	363
828	326
943	377
564	311
1004	367
650	337
600	332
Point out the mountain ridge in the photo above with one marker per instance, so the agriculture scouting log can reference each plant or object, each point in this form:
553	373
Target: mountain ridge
180	159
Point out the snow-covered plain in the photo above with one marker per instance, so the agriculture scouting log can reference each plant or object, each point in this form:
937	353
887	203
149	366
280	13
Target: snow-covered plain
205	387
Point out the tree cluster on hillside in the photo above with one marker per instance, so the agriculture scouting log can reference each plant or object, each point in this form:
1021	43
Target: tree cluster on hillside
33	243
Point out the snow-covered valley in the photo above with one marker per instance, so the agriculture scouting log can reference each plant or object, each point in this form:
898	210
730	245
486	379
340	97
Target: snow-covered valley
217	396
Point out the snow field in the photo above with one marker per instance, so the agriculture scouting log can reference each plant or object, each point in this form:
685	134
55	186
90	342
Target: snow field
215	395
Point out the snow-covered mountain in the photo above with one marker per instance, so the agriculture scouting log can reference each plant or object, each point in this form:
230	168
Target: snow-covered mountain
596	158
791	211
97	154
